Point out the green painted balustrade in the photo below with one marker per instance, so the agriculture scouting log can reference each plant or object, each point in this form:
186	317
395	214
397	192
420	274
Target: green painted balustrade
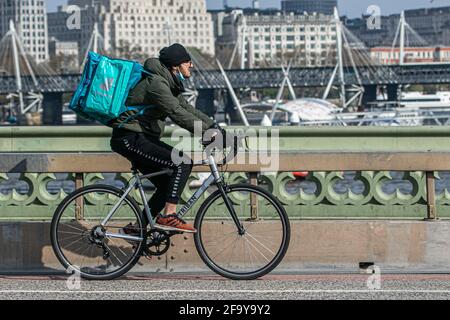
322	194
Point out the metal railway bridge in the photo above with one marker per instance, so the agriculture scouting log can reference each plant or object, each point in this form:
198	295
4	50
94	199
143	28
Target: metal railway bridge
206	82
265	78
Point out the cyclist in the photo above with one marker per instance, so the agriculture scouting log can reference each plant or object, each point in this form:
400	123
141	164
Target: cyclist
137	137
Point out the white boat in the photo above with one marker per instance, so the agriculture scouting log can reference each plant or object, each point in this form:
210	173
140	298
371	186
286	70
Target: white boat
418	100
417	109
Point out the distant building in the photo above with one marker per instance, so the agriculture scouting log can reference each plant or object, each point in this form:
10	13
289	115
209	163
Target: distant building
217	17
66	48
431	24
58	29
65	55
30	20
387	55
383	36
147	25
265	38
446	34
310	6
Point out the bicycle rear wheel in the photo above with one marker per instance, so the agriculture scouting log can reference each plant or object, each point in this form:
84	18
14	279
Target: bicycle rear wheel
251	255
82	245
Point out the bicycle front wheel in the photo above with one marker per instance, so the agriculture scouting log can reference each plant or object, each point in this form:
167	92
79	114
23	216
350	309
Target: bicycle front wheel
85	246
242	256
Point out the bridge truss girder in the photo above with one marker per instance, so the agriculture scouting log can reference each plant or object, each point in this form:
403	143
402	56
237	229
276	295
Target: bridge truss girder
268	78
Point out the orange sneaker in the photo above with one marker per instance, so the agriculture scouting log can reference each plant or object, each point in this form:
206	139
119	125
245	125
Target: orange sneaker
130	230
172	222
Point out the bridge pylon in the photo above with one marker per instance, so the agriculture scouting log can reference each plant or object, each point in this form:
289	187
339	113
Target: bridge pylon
407	38
21	99
347	94
286	81
95	42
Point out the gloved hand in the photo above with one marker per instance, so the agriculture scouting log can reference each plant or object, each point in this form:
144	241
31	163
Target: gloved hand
217	136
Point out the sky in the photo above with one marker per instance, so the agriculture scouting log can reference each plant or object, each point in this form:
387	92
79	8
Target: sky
351	8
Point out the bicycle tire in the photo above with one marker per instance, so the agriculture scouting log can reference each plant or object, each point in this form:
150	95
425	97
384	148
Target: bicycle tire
57	215
248	275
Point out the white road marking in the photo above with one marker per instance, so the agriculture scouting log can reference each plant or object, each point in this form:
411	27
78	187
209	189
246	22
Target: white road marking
224	291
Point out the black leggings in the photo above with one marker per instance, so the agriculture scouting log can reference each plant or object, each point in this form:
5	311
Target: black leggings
149	154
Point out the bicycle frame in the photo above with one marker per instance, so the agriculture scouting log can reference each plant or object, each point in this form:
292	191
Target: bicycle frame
214	178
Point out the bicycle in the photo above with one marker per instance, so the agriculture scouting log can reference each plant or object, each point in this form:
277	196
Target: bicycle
243	231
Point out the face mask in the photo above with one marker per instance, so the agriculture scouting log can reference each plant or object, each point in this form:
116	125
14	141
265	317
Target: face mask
180	76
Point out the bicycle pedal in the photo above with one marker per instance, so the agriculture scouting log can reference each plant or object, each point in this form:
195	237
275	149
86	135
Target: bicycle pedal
147	256
173	233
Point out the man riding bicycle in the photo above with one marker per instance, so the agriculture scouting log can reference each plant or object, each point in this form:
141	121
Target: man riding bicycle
137	137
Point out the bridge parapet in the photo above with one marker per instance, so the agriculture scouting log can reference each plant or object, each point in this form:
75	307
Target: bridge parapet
375	172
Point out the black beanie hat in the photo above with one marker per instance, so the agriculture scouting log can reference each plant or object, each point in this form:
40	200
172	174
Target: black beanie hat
174	55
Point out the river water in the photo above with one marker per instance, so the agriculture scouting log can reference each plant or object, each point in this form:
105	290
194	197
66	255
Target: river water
348	183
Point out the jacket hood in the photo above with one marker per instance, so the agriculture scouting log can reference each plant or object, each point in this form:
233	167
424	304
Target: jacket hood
154	65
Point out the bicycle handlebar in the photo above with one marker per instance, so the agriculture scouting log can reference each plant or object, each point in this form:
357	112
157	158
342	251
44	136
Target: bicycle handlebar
230	156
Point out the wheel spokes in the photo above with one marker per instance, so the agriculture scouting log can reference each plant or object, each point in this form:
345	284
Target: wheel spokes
257	248
91	252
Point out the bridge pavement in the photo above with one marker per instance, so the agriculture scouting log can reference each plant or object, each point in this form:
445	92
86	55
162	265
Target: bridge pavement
206	286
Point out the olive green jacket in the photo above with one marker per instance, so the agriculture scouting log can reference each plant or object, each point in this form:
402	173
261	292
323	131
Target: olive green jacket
162	91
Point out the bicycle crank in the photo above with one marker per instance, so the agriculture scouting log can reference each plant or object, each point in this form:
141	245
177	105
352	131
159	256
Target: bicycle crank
158	242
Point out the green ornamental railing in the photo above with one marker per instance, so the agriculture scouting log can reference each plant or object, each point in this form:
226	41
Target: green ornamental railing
321	194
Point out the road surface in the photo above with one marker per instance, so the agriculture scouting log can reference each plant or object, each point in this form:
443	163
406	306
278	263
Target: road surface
185	286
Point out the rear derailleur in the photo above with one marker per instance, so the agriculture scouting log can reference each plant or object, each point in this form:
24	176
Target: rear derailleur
97	236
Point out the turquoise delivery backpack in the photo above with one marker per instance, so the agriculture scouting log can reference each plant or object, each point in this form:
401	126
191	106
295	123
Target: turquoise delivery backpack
104	87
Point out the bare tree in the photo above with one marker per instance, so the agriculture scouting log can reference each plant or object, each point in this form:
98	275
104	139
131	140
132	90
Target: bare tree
130	52
63	63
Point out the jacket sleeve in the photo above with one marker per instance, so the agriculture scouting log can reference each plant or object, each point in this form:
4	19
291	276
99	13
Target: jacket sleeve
207	120
162	96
